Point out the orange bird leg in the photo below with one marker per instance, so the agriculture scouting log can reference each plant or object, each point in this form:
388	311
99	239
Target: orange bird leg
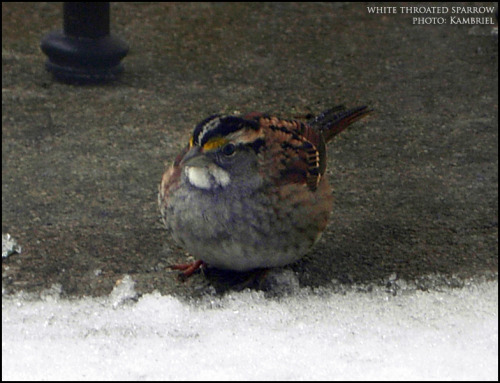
188	268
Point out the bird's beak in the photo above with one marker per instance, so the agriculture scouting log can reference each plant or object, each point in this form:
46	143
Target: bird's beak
195	158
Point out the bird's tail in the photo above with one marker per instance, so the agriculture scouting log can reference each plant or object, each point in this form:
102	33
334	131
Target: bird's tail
333	121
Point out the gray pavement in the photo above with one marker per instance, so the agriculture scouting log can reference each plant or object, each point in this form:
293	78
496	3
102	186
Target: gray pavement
416	184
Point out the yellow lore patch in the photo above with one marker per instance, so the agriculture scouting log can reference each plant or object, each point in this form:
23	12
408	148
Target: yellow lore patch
215	143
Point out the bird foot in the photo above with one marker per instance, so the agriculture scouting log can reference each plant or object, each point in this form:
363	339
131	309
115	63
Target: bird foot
187	268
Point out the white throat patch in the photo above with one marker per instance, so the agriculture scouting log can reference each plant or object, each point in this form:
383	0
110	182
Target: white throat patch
207	177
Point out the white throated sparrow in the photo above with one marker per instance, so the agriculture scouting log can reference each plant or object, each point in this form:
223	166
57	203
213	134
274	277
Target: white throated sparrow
249	192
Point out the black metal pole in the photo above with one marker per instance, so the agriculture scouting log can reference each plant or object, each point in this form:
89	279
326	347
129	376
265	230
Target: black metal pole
85	51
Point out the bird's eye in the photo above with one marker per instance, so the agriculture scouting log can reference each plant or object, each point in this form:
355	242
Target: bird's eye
228	149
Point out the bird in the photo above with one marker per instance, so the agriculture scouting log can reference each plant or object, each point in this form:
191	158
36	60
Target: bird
250	192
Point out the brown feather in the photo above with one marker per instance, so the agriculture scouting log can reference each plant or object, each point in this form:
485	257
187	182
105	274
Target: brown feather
297	148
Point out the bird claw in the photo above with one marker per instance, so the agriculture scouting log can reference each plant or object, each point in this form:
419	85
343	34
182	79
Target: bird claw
187	269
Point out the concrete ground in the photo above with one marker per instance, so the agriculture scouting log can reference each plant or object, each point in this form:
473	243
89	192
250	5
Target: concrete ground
416	184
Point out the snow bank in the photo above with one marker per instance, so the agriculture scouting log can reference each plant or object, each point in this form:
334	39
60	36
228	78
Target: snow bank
306	334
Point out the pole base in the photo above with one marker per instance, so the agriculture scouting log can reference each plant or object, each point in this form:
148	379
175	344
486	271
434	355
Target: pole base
83	60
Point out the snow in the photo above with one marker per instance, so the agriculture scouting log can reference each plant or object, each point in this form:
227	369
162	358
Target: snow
301	334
